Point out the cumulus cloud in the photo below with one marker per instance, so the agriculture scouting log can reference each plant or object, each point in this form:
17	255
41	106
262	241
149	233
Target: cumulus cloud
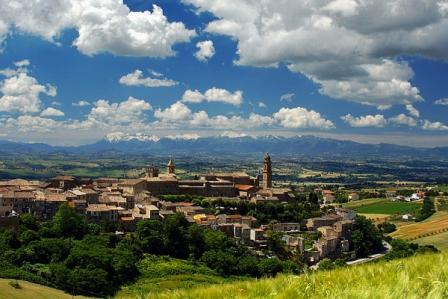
136	79
29	123
403	120
102	26
434	126
288	97
52	112
206	50
106	114
180	116
412	111
378	121
213	95
443	102
81	103
176	112
350	48
302	118
261	105
21	92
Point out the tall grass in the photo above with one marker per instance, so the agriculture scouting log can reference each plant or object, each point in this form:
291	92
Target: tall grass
424	276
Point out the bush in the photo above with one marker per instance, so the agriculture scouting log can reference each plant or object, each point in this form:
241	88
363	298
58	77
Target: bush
15	284
387	227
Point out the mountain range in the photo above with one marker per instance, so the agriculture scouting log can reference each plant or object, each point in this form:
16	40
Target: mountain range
297	145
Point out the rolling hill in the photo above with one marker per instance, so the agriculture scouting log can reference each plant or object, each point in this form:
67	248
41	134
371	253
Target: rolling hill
423	276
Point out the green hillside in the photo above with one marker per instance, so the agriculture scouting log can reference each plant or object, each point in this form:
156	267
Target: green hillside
424	276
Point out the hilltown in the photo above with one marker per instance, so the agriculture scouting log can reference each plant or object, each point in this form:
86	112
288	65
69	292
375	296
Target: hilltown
125	202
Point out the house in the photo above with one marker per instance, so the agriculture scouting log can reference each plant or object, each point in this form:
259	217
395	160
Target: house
328	196
101	212
132	186
353	196
313	224
256	234
289	227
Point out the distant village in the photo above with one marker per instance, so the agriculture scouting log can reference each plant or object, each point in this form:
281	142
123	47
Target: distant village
125	202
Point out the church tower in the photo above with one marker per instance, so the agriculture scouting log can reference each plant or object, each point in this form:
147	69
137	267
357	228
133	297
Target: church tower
170	167
152	171
267	172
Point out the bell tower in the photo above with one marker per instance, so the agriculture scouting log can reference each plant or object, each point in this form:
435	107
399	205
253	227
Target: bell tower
170	167
267	172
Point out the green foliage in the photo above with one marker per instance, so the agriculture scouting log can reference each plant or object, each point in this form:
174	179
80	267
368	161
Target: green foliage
276	244
366	237
68	223
327	264
295	210
387	227
427	210
401	249
270	267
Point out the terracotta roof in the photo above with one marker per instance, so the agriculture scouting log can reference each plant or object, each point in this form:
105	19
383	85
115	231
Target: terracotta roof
244	187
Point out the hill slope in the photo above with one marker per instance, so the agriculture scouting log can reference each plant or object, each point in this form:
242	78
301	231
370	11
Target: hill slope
424	276
31	290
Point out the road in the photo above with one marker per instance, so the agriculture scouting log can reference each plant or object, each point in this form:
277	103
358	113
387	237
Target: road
387	248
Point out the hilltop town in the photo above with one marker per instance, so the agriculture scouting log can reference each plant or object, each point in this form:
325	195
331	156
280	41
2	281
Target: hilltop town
122	203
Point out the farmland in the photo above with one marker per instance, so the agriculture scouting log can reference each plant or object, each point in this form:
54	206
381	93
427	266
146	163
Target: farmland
436	224
383	207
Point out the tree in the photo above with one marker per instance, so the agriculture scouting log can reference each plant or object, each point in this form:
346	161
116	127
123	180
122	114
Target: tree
223	262
248	265
270	267
427	210
151	237
387	227
29	221
275	243
68	223
366	237
313	198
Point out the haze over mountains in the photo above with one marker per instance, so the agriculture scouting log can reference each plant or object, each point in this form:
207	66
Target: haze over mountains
189	144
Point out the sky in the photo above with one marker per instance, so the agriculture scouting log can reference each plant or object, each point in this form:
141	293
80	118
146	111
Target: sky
75	71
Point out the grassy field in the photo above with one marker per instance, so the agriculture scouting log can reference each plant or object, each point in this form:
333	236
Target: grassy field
422	276
438	240
30	290
363	202
383	207
436	224
161	274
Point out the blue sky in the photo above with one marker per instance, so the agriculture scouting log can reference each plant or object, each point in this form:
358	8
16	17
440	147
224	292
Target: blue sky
73	72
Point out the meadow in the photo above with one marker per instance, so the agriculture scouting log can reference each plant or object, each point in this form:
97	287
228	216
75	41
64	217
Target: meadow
423	276
161	274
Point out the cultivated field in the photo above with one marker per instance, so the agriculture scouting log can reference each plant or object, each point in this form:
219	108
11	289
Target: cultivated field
30	290
420	277
436	224
383	207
